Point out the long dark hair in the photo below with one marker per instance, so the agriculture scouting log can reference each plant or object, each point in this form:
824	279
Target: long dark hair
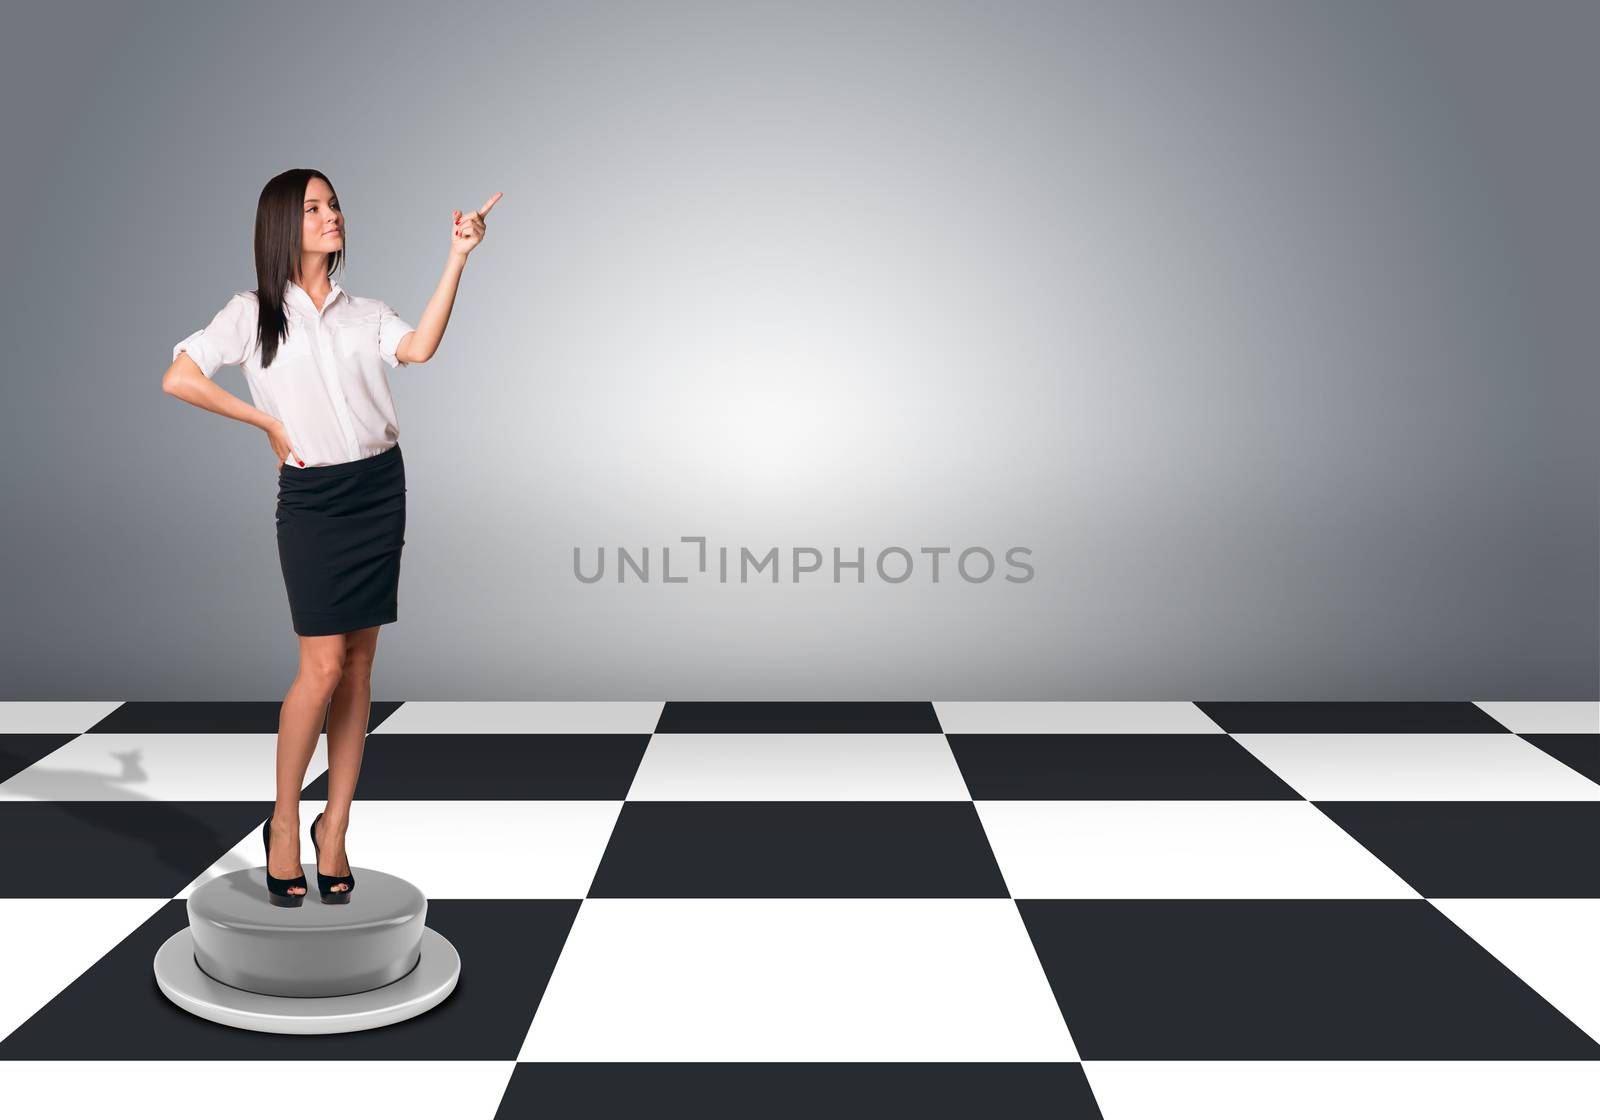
279	219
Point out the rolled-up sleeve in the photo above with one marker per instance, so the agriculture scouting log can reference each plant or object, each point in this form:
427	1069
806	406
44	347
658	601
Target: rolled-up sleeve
225	340
391	329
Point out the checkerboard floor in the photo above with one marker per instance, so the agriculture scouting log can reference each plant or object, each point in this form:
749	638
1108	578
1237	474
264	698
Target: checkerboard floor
1120	910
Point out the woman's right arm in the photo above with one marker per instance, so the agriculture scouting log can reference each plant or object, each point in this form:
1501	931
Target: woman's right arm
184	380
195	360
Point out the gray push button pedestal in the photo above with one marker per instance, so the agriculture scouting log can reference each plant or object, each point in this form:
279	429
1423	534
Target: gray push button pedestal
309	967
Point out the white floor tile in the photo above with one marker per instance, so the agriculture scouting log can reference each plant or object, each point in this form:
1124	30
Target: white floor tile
243	1090
1552	943
1427	767
1180	849
523	717
462	849
192	766
49	943
1536	717
798	980
799	767
53	717
1380	1090
1376	1090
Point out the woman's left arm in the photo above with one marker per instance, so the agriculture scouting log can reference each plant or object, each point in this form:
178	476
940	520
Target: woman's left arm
419	345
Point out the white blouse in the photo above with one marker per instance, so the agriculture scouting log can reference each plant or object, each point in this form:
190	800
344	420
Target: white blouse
326	382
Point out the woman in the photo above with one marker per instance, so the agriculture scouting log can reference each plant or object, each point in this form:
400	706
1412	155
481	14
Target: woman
313	357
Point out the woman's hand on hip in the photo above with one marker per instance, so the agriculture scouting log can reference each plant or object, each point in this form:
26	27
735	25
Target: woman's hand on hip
469	227
278	436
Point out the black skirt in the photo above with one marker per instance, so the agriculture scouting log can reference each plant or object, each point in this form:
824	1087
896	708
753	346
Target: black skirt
340	531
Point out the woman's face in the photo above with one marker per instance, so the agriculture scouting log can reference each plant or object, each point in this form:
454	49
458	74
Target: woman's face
322	230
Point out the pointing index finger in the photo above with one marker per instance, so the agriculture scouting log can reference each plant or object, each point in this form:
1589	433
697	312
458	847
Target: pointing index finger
484	209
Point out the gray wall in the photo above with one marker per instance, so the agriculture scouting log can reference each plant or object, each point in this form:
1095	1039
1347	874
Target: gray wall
1267	327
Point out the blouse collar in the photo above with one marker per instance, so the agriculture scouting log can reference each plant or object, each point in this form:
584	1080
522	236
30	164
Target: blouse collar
295	291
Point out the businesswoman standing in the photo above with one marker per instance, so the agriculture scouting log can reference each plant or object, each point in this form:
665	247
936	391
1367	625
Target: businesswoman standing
313	357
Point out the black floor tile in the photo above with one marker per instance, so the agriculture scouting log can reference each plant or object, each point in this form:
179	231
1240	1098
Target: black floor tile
1114	767
218	717
495	767
797	717
798	849
1581	752
1345	718
117	1012
1307	979
18	752
801	1090
1481	849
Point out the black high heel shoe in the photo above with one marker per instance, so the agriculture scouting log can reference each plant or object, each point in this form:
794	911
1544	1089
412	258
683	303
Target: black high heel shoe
275	885
326	883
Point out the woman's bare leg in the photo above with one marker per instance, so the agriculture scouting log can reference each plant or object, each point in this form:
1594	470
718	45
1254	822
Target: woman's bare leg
349	715
299	725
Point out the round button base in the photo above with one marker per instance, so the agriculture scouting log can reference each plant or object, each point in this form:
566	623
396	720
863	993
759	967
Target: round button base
423	988
303	945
